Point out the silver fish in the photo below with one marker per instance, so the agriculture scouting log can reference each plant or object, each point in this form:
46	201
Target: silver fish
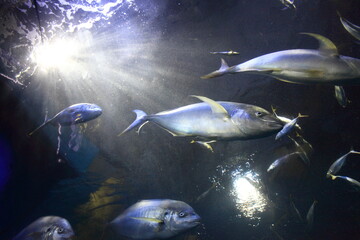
204	194
157	218
285	120
74	114
353	29
288	3
310	216
340	96
337	165
351	180
213	120
228	53
276	166
324	66
288	127
47	228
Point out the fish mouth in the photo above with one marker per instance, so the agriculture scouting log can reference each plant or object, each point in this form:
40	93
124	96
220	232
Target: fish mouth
273	121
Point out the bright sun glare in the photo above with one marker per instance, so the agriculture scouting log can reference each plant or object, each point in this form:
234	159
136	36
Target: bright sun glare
58	54
249	200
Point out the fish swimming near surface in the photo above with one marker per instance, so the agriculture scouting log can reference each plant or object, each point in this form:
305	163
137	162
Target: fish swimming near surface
337	165
212	120
322	66
157	218
74	114
47	228
351	28
228	53
288	127
341	96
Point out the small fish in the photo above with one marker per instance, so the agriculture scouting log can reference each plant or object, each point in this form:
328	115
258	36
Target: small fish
285	120
156	218
204	144
305	66
204	194
295	211
353	29
289	126
212	120
228	53
337	165
288	4
340	96
47	228
275	167
351	180
310	216
303	154
74	114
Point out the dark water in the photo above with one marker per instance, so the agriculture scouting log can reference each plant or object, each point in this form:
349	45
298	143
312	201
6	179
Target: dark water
150	55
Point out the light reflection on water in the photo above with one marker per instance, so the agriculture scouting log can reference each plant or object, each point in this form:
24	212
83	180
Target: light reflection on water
246	190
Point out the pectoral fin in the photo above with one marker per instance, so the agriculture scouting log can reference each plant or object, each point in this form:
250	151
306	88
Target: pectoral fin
216	108
327	47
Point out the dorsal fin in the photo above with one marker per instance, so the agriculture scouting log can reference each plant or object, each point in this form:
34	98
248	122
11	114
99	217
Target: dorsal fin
216	108
327	47
224	65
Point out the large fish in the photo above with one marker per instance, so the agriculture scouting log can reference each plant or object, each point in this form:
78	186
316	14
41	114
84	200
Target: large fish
47	228
213	120
74	114
324	66
157	218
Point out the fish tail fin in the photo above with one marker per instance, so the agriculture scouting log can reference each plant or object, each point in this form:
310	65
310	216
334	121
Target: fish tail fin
333	177
224	69
141	119
302	115
39	127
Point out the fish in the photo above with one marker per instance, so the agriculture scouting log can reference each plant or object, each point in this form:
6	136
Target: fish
351	180
302	152
276	166
155	218
302	66
47	228
341	96
74	114
288	3
295	211
213	120
351	28
228	53
204	194
310	216
337	165
288	126
285	120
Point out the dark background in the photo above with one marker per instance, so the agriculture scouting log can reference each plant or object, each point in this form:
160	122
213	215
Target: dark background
172	42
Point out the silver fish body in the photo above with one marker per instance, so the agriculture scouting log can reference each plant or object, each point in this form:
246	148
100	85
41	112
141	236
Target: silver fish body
74	114
237	121
341	96
228	53
47	228
157	218
338	164
306	66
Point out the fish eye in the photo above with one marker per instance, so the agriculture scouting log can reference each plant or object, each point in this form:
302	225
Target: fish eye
182	214
258	114
60	230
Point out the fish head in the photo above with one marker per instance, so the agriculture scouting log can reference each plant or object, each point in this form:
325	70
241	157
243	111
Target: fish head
84	112
91	111
254	121
62	230
181	218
